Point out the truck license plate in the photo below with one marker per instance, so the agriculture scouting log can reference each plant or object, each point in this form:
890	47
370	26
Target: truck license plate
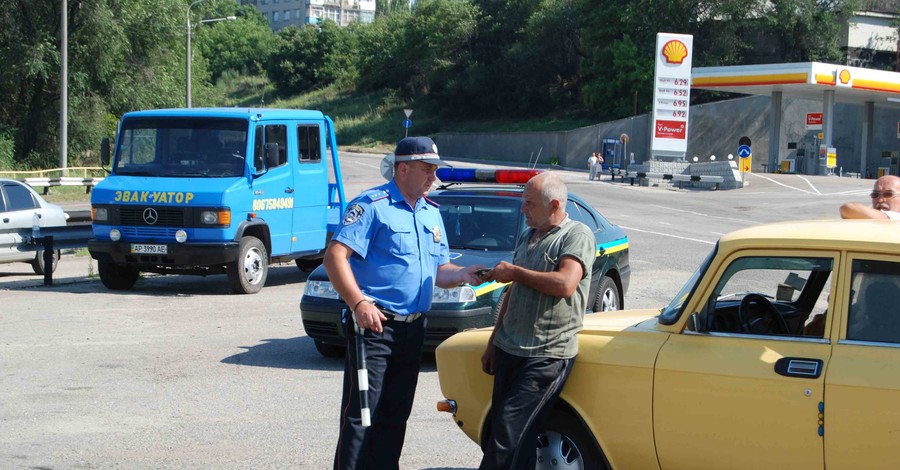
149	249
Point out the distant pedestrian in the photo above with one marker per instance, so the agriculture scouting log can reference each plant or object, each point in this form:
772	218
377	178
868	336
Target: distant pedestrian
599	165
592	166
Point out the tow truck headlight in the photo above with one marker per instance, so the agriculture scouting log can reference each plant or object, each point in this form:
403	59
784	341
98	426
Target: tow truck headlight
209	217
456	294
115	235
220	217
180	236
322	289
100	214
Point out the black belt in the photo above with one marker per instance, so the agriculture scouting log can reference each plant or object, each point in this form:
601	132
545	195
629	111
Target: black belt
401	318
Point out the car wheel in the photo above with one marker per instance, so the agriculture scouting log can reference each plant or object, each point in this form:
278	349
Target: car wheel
37	264
607	298
500	301
565	443
117	277
247	274
330	350
307	265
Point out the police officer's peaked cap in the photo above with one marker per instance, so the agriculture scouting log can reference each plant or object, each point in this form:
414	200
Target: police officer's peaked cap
418	148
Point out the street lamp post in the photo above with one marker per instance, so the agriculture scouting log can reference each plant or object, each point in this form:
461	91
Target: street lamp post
187	47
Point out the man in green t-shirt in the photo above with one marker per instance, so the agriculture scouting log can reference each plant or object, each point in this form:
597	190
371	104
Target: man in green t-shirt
534	343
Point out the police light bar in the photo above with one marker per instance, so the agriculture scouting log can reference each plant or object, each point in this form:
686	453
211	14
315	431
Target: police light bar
475	175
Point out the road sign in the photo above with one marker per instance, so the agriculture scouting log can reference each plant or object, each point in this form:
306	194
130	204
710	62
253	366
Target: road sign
744	151
407	123
408	112
814	120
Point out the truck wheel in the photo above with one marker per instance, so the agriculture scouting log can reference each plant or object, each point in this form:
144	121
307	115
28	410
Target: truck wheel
308	265
37	264
117	277
330	350
564	443
607	298
247	275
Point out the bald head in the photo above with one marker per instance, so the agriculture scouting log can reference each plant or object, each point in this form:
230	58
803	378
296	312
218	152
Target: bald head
887	190
551	188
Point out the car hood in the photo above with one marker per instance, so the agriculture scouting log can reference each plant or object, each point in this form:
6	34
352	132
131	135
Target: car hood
619	320
457	257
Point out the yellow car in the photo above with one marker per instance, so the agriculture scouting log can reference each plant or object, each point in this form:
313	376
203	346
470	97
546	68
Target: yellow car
781	351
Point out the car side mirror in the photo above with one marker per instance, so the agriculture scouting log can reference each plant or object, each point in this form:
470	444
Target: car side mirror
696	324
104	151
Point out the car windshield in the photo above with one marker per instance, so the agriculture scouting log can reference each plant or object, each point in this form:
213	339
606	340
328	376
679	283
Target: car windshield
182	147
670	313
481	223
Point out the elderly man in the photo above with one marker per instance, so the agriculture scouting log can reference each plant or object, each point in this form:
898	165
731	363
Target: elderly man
533	346
885	203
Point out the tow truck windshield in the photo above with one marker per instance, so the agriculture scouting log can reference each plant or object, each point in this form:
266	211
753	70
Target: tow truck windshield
182	147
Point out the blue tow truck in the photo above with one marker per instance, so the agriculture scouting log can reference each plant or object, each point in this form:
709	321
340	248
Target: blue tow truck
216	190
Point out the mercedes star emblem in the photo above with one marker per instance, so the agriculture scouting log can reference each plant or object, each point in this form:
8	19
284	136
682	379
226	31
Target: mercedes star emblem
150	216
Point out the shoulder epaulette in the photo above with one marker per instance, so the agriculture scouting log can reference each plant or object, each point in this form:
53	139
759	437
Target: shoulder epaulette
431	202
377	195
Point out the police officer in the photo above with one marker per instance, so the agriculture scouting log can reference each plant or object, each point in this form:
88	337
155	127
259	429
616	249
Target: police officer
389	253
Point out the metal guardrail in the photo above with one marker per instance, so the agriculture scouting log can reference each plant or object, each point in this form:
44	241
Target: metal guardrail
58	177
51	239
47	183
671	177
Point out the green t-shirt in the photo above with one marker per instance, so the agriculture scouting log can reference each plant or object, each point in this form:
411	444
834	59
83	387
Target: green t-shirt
540	325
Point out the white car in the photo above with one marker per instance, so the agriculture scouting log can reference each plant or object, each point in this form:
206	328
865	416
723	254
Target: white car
18	205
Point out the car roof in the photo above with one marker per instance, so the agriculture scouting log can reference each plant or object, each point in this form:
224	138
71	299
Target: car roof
838	234
502	191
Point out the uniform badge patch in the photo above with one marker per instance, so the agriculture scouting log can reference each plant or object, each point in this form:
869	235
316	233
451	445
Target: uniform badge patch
436	232
354	212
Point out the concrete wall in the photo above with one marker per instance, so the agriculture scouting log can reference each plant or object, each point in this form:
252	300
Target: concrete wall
714	128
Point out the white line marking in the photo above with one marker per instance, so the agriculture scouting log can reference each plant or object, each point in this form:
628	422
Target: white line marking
781	184
810	184
668	235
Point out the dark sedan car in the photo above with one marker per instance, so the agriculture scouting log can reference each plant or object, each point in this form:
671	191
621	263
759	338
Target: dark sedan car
483	223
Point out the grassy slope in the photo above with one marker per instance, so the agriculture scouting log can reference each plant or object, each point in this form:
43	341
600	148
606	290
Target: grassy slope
371	122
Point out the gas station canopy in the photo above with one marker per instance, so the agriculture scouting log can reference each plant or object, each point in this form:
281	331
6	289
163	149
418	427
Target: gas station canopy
802	80
809	80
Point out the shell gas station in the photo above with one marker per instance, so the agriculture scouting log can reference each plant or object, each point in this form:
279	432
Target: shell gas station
825	83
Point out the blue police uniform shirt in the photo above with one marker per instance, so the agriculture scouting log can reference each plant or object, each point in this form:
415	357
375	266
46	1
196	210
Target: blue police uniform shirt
396	249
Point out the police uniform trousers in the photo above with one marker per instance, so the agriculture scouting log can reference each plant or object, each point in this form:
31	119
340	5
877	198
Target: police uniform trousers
525	391
392	359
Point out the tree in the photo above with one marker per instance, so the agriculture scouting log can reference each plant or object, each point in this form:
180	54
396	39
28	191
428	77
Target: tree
243	45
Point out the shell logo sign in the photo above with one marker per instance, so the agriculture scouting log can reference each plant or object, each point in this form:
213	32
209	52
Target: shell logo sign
675	52
844	76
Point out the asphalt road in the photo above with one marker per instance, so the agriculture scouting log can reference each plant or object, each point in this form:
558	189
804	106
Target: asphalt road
178	373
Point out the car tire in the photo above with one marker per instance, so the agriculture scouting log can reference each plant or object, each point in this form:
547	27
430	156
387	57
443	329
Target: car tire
117	277
247	274
495	313
607	298
565	443
37	264
307	265
330	350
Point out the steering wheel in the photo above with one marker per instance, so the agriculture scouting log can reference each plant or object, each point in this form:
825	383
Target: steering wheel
758	316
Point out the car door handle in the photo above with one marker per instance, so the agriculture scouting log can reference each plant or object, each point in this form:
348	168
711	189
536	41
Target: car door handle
5	220
289	190
801	367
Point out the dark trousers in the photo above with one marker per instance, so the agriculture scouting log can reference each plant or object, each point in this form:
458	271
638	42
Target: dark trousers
525	391
392	359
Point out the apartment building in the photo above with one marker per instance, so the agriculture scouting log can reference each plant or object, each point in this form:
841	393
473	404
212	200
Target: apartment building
283	13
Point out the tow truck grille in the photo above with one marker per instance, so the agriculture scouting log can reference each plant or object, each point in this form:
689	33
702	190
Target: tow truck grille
166	216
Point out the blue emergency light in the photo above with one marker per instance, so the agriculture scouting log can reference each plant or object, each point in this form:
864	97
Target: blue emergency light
476	175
